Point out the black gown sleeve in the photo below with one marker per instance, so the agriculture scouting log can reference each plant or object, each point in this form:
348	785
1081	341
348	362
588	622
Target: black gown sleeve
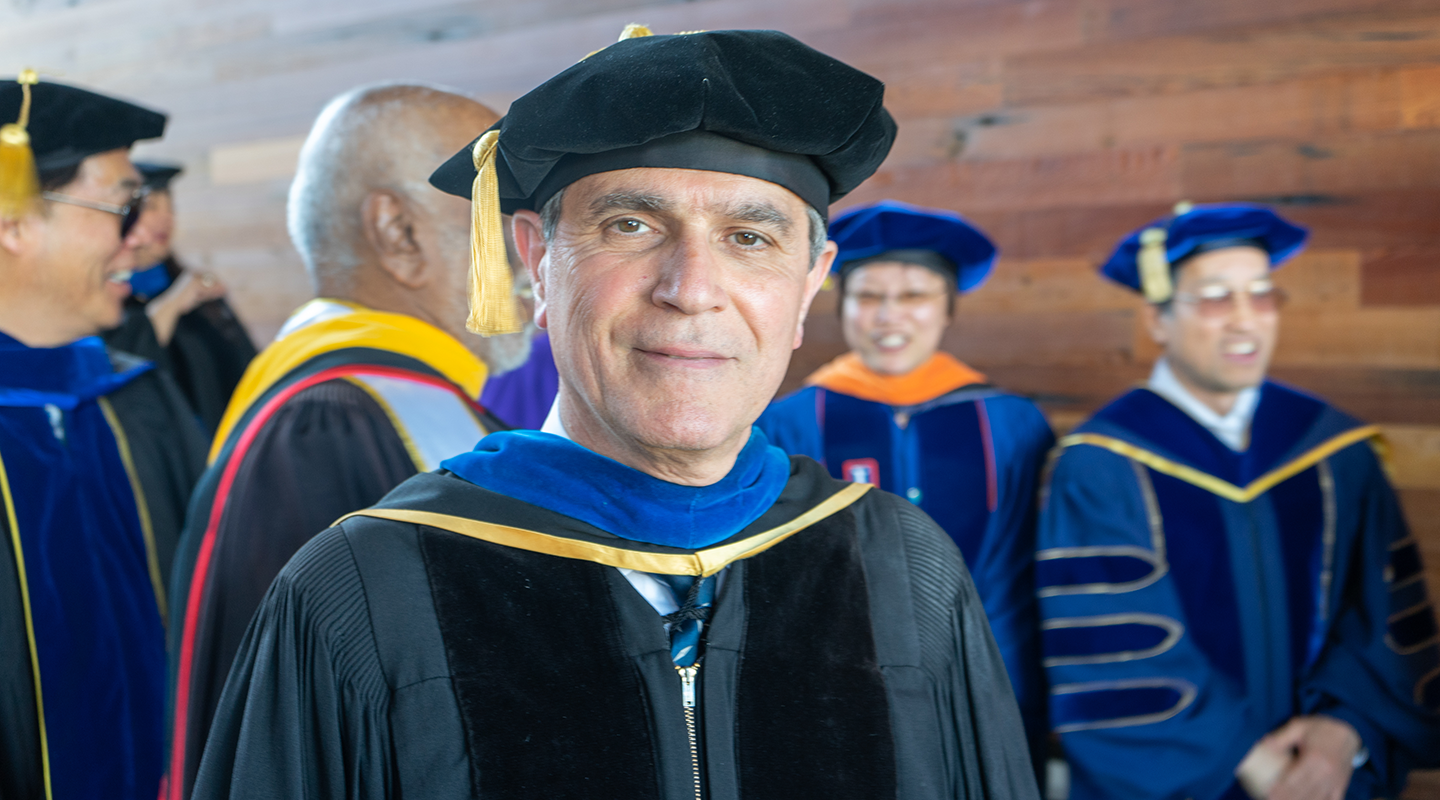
136	336
327	452
305	711
168	450
20	775
980	721
209	353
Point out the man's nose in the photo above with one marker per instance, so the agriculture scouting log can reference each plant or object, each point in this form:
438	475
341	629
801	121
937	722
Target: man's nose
689	279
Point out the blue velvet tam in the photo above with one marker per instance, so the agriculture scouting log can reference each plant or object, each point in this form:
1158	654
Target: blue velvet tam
893	231
1196	229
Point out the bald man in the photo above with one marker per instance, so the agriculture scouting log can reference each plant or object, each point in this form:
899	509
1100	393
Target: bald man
371	382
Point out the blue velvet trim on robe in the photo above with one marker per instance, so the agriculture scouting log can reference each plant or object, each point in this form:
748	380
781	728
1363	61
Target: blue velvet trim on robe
1096	641
1283	428
1195	540
1072	572
34	377
98	632
555	473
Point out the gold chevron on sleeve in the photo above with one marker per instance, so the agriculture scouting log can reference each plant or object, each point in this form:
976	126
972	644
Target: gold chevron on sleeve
1210	483
701	562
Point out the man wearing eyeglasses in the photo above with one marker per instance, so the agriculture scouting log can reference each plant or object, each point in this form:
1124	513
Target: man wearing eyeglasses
97	457
1231	602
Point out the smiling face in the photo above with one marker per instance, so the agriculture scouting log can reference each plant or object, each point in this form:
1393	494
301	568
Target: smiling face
1217	353
158	220
673	300
894	315
66	268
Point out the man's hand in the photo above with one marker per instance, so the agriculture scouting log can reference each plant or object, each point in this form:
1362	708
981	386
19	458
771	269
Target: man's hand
1308	758
184	295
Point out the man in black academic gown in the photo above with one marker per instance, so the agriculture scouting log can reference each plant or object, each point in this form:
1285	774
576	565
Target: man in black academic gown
98	454
179	318
535	620
371	382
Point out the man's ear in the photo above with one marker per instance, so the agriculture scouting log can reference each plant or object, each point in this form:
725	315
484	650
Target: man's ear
813	281
13	234
1155	322
530	246
390	230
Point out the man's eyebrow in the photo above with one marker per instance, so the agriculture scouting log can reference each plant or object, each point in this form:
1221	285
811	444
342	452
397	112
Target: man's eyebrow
761	214
628	201
130	184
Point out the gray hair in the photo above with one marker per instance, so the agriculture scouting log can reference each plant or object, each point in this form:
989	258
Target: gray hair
550	220
365	139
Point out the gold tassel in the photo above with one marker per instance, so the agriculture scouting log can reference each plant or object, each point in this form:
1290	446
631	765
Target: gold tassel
492	295
19	181
1154	266
632	31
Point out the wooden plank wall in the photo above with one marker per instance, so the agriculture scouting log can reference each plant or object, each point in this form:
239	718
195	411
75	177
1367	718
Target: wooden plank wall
1058	125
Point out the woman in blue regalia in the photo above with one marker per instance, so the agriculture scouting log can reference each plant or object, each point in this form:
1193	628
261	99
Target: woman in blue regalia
1231	602
899	413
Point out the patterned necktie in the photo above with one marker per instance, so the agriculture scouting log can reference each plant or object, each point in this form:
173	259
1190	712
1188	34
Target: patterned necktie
694	598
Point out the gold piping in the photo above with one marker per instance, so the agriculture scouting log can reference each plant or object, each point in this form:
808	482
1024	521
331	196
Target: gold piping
1422	683
701	562
1159	568
1327	538
1173	628
1187	690
152	553
14	524
1215	485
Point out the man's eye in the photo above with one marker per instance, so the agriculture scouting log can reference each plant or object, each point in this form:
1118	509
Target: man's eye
629	226
748	239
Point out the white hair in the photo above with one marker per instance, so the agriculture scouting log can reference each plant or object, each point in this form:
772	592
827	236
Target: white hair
365	139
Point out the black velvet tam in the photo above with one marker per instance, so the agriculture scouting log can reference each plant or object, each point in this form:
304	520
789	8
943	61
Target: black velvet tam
69	124
756	103
158	176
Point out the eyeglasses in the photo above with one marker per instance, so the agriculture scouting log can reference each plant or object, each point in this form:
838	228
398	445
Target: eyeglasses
129	213
907	301
1220	301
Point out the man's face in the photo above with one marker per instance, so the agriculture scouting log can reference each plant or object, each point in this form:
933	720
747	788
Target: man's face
81	267
158	222
1212	346
673	300
894	314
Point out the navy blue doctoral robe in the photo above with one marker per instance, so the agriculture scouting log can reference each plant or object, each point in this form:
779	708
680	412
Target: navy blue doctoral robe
97	458
971	459
1194	598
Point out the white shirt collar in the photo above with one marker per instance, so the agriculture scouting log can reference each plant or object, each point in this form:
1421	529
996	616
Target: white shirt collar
553	423
317	310
1233	428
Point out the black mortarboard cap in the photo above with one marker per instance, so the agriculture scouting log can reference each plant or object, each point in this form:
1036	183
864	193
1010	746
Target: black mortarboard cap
157	176
68	124
754	103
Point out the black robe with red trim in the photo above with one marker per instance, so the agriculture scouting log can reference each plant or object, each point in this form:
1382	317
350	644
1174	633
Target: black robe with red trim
393	659
311	448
